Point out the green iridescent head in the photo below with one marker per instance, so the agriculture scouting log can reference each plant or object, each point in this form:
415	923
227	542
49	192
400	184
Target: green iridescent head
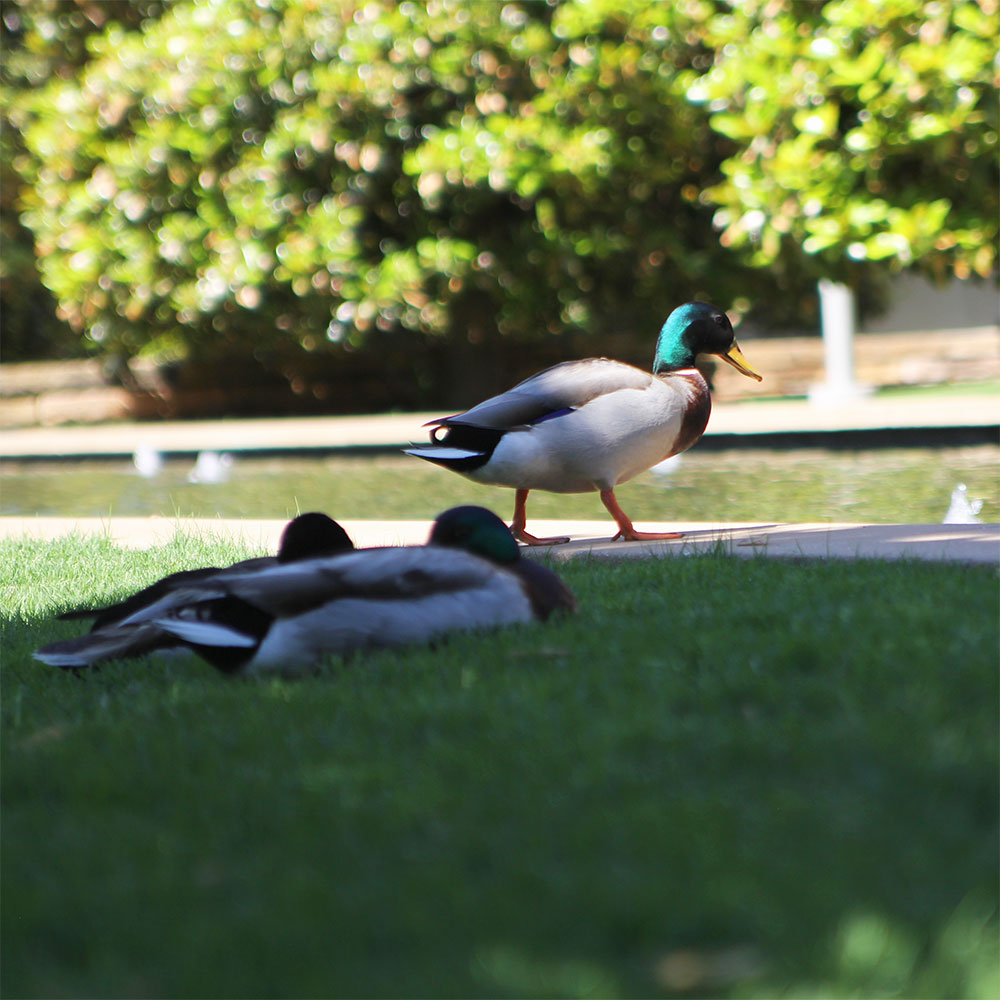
698	328
477	530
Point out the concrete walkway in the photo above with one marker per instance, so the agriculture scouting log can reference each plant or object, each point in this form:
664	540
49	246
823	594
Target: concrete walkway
959	543
389	431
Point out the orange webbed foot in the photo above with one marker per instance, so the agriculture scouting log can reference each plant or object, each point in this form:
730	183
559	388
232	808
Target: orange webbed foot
645	536
626	532
523	536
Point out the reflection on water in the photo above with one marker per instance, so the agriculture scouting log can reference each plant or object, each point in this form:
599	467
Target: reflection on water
910	485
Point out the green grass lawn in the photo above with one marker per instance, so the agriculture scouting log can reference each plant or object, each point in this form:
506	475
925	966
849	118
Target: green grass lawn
722	778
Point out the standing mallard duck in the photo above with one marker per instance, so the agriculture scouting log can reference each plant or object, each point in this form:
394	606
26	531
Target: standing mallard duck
287	616
592	424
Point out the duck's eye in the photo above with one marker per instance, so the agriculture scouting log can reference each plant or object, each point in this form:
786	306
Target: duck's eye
720	319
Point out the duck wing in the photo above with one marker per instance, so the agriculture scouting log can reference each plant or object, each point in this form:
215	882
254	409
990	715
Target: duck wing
388	574
305	536
556	390
113	614
170	592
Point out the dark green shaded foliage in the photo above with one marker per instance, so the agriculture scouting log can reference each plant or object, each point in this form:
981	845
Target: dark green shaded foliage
41	40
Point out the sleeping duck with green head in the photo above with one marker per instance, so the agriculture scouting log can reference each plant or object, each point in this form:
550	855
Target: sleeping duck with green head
590	425
286	617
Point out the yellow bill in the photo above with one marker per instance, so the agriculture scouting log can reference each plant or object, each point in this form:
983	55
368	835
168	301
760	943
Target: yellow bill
734	357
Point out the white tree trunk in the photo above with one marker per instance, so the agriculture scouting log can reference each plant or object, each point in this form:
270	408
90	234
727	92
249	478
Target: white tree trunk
836	304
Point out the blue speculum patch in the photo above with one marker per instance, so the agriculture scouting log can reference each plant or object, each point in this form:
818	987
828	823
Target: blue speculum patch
553	415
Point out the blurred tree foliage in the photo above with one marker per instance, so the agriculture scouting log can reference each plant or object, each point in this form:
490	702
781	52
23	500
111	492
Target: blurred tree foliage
295	175
298	179
867	131
40	40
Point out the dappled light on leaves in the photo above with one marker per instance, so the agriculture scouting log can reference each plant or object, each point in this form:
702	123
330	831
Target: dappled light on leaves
307	177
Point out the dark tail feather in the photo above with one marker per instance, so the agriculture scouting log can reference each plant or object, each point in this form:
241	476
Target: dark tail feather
461	448
106	644
469	437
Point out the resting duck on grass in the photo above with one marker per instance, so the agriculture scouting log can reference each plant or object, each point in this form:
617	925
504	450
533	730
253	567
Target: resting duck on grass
287	617
125	630
590	425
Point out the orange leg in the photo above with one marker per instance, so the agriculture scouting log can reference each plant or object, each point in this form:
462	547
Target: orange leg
520	519
625	530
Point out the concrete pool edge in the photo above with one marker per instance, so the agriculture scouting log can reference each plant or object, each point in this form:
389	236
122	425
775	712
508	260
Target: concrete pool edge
732	423
959	543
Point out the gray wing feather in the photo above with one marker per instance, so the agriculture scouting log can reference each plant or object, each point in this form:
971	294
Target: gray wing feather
567	385
375	573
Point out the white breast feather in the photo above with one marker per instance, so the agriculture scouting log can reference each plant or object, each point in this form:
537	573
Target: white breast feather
356	623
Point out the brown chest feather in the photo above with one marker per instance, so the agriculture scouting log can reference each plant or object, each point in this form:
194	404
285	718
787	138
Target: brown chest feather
696	415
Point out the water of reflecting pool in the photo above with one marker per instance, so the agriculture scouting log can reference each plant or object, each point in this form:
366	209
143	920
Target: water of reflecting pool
884	485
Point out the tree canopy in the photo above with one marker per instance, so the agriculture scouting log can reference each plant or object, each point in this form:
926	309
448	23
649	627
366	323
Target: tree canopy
866	131
300	176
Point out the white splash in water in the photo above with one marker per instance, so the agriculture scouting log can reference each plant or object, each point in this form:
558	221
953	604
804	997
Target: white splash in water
962	510
211	467
147	460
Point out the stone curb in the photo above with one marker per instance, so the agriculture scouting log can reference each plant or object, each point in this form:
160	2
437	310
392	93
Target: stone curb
388	430
960	543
